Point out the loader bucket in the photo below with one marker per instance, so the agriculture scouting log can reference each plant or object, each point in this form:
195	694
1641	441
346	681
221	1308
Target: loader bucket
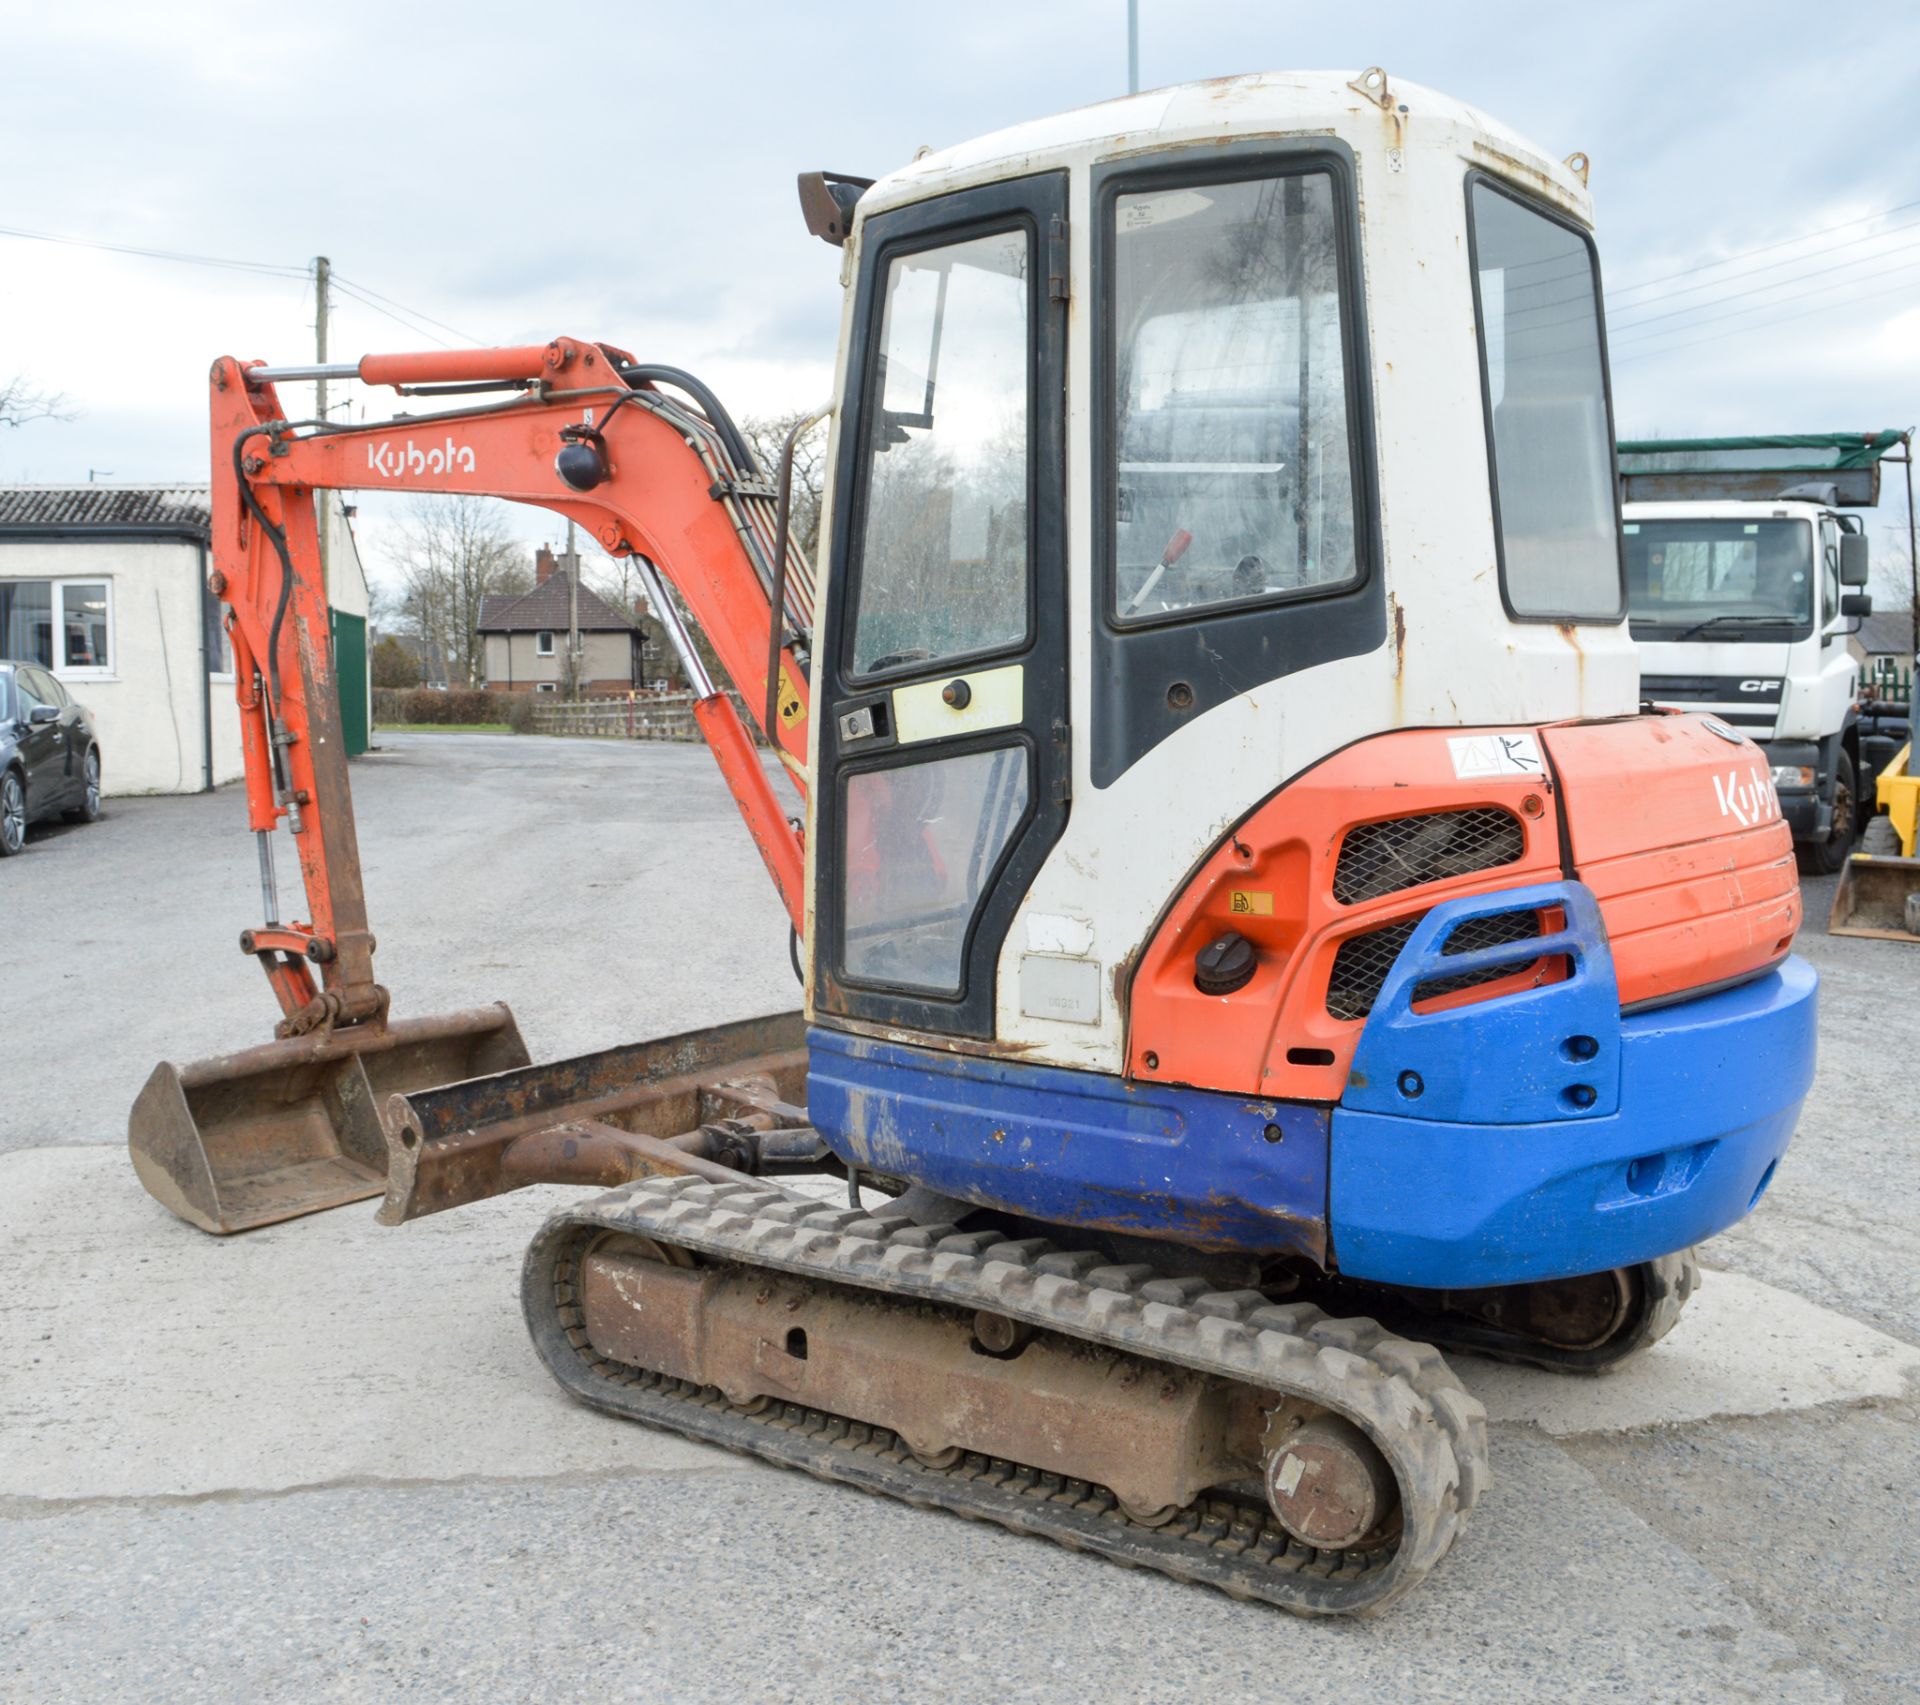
291	1128
1878	895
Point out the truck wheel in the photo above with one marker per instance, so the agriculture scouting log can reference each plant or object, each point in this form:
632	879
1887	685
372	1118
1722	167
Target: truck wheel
1823	858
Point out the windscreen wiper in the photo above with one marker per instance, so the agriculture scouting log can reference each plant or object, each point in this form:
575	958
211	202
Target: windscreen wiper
1749	621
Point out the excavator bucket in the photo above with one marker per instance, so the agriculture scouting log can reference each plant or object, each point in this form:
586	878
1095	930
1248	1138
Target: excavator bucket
293	1127
1878	895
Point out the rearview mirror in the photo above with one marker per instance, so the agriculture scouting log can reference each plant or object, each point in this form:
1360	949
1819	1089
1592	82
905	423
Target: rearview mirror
1856	603
38	716
826	203
1853	560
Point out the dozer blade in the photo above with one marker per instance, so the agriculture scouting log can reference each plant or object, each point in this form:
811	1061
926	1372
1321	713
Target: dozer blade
291	1128
672	1103
1879	896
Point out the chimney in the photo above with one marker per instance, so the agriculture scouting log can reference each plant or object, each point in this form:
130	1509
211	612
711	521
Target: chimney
543	566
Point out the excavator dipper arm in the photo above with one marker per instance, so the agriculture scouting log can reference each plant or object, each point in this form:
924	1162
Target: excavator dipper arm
586	433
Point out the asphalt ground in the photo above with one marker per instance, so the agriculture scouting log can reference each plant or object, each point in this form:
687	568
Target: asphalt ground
321	1462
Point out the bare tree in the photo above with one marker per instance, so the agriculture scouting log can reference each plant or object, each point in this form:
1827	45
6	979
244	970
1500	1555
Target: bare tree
768	435
21	400
456	551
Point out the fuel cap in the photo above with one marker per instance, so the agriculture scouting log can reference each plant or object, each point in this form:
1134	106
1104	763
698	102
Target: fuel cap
1226	963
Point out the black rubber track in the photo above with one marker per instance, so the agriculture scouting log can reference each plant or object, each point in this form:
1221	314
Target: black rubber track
1402	1394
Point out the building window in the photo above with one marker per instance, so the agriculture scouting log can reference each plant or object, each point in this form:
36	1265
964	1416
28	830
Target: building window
63	625
544	687
543	643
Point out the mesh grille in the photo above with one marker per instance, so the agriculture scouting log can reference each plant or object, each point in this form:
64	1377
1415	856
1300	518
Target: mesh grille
1362	964
1403	852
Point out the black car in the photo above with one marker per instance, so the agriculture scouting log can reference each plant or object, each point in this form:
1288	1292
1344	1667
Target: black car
49	754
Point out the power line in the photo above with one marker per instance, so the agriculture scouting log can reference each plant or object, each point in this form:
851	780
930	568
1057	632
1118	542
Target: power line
366	290
1904	287
155	254
1769	266
347	289
1764	248
1761	307
412	319
1761	289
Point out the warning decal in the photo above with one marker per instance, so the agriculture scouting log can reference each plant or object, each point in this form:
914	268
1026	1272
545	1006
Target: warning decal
1476	756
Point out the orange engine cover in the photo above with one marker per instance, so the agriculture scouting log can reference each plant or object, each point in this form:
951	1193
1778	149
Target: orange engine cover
1676	831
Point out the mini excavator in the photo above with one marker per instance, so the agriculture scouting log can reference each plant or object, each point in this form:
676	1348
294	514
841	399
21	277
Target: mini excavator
1253	935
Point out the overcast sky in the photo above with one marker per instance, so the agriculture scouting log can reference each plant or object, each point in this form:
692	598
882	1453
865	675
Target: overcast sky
625	172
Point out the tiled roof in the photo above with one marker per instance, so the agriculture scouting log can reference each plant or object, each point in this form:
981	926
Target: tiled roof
1887	631
544	609
83	506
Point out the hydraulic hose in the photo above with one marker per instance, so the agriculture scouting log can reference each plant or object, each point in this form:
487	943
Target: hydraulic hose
730	434
279	540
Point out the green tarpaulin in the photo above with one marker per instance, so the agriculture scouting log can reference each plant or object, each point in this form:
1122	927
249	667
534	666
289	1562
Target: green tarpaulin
1757	469
1780	452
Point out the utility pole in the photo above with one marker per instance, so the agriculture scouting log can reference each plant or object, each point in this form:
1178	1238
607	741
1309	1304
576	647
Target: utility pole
1913	570
572	560
322	278
1133	47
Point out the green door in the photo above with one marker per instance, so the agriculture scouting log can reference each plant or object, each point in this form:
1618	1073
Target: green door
350	669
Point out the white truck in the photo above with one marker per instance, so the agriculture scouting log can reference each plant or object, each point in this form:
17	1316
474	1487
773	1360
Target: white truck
1741	604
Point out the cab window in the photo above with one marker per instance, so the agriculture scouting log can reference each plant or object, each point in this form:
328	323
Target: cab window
1829	570
1537	298
944	569
1234	479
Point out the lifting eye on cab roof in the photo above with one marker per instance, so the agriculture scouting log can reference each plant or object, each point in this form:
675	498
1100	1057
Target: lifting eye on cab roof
826	203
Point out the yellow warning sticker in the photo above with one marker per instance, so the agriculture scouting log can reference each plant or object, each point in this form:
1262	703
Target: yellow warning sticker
792	706
1250	902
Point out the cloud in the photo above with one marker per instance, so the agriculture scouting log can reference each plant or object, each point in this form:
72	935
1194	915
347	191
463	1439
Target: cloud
626	171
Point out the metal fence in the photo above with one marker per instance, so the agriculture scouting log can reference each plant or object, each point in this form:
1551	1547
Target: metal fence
644	716
1890	683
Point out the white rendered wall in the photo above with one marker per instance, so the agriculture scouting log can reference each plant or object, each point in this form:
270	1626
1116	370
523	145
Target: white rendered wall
147	706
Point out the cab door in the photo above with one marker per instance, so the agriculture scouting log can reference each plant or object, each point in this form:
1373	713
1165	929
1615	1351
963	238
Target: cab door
944	755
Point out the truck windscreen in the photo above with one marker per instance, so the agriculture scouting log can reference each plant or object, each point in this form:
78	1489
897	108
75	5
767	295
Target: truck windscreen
1712	578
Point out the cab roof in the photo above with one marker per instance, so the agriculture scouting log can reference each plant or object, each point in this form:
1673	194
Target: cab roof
1231	109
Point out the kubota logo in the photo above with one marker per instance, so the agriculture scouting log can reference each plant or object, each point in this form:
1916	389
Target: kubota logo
1747	800
390	461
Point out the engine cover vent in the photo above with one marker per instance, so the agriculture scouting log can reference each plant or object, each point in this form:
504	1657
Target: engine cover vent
1404	852
1360	967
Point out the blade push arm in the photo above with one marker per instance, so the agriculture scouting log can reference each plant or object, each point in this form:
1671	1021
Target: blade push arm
589	436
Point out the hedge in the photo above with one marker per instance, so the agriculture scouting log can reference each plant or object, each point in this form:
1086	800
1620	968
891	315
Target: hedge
426	704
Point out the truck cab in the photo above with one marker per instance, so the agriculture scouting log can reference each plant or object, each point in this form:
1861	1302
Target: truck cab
1743	609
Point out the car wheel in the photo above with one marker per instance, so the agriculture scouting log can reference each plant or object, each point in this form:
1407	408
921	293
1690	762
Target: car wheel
88	810
1823	858
13	814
